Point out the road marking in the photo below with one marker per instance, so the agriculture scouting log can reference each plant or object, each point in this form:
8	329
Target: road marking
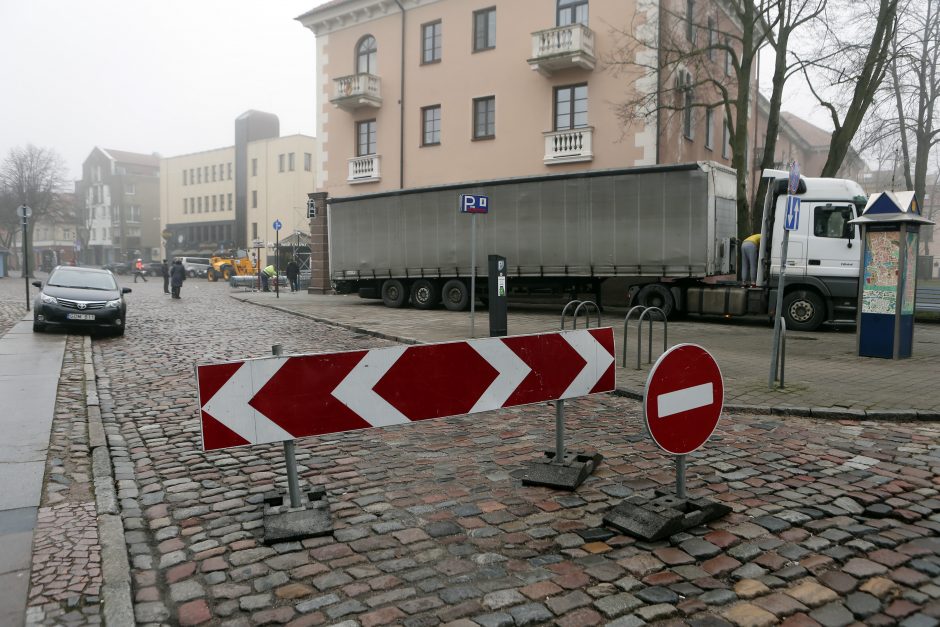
685	399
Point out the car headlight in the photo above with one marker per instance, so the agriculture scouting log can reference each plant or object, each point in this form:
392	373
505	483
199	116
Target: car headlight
114	304
49	300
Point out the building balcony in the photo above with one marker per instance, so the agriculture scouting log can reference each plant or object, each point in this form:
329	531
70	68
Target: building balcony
364	169
569	146
356	91
562	48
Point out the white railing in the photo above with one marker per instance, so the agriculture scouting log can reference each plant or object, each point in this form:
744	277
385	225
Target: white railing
576	144
571	39
363	169
361	86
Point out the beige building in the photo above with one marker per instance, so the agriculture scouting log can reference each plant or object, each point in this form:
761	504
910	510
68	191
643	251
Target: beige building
229	197
446	91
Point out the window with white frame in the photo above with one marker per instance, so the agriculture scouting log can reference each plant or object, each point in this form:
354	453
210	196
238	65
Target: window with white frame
431	42
290	162
308	162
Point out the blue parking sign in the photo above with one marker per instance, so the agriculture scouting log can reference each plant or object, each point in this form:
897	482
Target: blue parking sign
277	225
471	203
792	219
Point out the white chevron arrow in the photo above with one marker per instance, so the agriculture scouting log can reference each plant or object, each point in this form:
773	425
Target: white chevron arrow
512	371
355	390
229	405
597	358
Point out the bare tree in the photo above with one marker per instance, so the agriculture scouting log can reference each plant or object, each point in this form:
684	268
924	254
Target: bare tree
33	177
848	66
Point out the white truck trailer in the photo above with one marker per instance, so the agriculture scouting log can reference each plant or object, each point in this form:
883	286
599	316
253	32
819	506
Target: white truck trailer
671	231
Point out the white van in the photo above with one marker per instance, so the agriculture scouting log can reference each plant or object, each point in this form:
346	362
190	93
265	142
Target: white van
195	266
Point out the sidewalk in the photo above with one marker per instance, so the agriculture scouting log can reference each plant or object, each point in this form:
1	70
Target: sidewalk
824	376
29	394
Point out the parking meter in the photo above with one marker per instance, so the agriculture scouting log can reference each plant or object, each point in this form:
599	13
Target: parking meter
497	295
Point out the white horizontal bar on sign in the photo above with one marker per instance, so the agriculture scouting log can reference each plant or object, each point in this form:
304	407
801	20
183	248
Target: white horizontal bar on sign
685	399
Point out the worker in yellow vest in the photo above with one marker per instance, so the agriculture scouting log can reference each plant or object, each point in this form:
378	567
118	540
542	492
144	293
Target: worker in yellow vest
749	259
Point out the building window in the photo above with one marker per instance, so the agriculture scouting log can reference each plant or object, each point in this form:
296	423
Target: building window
199	204
484	117
254	167
213	172
254	230
229	170
431	125
254	199
290	162
484	29
230	202
431	42
185	178
134	213
729	62
726	140
192	179
221	202
572	12
711	39
571	107
308	162
365	55
280	162
186	205
687	100
709	127
365	138
205	173
207	204
215	206
689	22
130	189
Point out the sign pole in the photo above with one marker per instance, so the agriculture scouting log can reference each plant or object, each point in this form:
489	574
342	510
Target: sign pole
290	460
473	272
26	259
789	225
680	476
277	256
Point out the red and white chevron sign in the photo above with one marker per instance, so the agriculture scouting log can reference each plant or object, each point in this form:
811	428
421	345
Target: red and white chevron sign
256	401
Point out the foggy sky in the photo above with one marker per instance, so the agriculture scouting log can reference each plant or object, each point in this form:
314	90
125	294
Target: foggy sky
167	77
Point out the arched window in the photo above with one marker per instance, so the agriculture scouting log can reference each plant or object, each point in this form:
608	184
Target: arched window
572	12
365	55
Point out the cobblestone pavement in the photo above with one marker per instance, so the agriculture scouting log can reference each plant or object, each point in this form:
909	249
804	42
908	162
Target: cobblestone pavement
822	368
834	522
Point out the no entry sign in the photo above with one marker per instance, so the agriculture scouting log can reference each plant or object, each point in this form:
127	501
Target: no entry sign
273	399
683	398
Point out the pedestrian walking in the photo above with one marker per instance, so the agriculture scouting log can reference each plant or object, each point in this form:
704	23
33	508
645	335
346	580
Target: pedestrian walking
266	275
139	270
165	271
749	259
293	272
177	276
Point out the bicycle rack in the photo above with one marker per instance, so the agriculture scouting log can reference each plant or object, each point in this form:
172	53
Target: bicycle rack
563	469
626	321
639	332
579	304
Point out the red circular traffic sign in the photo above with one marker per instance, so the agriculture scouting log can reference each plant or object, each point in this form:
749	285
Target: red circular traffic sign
683	398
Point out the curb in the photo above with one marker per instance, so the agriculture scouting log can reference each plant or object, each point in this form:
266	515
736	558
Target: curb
823	413
117	608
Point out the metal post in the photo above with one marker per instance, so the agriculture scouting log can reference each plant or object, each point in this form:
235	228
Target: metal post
680	476
26	260
277	264
559	431
778	317
783	350
473	272
290	461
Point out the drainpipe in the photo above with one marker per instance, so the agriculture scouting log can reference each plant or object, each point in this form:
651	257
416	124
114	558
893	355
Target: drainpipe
659	78
401	105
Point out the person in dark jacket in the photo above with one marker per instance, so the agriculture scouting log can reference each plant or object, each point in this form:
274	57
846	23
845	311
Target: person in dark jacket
293	271
177	276
165	271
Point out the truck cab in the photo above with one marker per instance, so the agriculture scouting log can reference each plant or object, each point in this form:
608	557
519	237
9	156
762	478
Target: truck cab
822	253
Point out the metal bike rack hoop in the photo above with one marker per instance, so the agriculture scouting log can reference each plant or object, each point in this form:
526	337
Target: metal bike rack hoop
639	334
587	313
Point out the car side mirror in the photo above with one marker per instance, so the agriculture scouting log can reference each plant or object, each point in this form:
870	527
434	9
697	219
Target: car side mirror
125	290
38	284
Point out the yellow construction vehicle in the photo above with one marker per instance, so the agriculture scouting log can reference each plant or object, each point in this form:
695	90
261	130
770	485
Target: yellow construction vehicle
224	267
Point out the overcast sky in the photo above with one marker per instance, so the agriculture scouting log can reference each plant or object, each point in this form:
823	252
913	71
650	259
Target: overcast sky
168	76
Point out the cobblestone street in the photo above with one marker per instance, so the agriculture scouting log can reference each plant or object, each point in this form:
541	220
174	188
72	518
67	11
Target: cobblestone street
833	522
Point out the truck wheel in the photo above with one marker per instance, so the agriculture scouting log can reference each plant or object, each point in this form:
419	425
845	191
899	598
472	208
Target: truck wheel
456	295
424	294
803	310
656	295
393	293
227	272
211	275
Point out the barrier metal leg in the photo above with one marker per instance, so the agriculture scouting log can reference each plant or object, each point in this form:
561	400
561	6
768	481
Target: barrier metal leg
559	431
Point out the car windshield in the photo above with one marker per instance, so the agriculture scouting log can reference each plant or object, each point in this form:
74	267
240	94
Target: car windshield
67	277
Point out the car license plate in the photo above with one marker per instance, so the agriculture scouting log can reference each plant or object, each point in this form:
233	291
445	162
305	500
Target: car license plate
72	316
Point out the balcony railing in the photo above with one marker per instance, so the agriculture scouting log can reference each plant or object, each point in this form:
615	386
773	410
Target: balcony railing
364	169
357	90
562	48
569	146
